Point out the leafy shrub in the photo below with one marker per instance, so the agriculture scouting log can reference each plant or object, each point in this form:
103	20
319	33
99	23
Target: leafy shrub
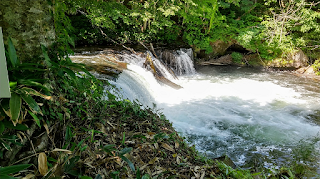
237	57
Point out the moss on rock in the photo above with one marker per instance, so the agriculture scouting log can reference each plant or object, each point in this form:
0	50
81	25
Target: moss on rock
29	23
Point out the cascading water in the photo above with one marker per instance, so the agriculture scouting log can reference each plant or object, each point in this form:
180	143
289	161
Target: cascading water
247	114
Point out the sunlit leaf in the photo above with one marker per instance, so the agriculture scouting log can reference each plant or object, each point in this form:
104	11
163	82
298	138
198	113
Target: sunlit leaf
35	93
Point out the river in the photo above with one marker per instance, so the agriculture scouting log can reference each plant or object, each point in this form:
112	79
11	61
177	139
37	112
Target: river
256	117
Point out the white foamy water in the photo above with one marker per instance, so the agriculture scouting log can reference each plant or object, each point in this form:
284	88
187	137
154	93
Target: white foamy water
237	115
235	111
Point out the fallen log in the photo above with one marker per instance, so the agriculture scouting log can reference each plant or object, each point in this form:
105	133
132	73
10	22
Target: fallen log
158	75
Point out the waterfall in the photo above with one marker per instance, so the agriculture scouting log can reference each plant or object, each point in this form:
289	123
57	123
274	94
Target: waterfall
248	114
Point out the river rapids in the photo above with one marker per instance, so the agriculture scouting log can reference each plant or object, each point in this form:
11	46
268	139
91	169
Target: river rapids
255	117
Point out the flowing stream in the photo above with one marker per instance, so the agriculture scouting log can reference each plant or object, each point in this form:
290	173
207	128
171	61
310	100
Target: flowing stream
251	115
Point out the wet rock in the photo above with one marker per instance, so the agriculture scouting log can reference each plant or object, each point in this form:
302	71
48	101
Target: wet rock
169	58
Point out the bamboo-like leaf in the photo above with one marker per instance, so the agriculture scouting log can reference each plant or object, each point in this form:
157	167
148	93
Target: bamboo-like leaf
12	84
15	107
36	119
13	169
69	134
6	177
34	107
129	162
32	83
12	53
125	150
85	177
42	164
31	66
70	73
35	93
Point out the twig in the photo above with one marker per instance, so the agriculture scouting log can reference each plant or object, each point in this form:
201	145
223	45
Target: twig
28	157
152	50
261	59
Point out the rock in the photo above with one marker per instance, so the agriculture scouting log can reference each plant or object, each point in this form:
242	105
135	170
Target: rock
224	60
305	70
253	60
295	60
219	47
299	59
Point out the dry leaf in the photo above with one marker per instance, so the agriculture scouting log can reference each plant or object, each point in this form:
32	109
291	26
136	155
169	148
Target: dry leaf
203	174
168	147
42	163
176	145
151	162
62	150
178	160
156	145
196	168
143	167
46	127
29	176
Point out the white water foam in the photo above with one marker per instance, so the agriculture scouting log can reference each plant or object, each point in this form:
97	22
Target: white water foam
225	115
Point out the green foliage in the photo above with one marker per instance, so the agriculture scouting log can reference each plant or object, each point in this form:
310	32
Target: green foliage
5	171
24	83
316	67
237	57
63	28
230	172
